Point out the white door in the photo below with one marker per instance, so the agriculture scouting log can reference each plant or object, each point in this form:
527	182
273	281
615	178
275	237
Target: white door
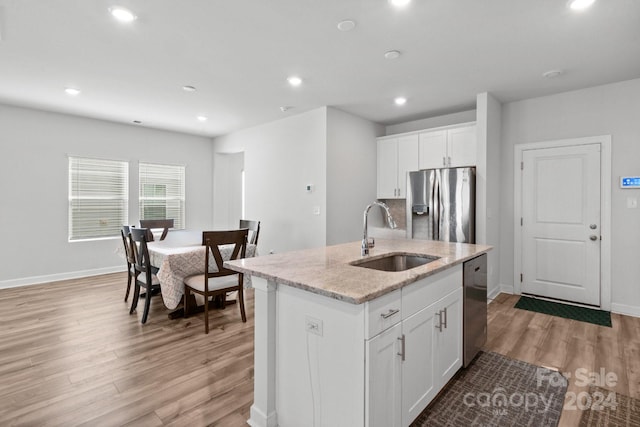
561	223
433	150
384	379
419	385
462	147
387	168
407	161
449	340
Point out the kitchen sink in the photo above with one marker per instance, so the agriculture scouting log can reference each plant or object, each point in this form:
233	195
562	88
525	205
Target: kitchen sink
395	262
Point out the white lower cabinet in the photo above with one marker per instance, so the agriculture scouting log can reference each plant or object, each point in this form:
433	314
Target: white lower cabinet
409	363
384	379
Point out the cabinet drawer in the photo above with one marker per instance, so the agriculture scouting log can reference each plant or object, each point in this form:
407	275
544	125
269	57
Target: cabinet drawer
426	291
382	313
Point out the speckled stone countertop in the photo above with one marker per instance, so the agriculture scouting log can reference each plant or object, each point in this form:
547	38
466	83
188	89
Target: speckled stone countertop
326	271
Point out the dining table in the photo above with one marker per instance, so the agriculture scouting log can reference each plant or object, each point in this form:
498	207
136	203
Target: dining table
181	254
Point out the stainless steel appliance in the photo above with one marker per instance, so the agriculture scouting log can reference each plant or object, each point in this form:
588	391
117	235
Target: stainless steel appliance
474	326
441	204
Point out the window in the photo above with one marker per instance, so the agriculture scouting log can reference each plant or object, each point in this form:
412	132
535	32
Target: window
162	193
98	198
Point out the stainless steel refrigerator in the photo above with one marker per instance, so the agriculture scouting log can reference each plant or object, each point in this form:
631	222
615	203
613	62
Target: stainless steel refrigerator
441	204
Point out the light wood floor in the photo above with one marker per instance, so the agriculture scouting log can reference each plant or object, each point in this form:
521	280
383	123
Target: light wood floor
568	345
70	354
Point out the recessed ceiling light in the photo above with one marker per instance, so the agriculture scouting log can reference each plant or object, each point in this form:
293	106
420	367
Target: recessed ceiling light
552	73
399	3
72	91
392	54
400	100
346	25
202	118
580	4
188	88
122	14
294	81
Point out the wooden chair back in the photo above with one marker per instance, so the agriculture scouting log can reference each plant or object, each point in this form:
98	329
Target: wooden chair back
254	227
165	224
214	239
126	241
142	263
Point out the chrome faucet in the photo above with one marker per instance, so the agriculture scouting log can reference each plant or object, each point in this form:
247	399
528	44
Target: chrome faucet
370	243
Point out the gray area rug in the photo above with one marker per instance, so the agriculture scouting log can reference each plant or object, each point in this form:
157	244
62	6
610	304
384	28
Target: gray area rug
605	408
498	391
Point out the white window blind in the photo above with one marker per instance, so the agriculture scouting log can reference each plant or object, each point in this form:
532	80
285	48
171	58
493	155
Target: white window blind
98	197
162	193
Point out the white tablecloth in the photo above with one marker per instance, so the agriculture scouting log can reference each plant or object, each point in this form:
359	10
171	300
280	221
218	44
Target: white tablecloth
181	255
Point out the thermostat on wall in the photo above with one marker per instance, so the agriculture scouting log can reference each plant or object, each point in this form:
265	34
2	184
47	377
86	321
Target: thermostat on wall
630	182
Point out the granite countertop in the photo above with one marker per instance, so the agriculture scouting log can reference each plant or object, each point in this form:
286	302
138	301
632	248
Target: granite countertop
326	271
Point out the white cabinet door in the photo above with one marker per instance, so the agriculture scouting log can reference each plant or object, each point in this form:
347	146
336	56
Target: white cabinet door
407	161
419	381
432	150
462	146
383	388
387	168
448	343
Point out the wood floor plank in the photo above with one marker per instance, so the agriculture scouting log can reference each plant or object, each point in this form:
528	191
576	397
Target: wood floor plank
72	355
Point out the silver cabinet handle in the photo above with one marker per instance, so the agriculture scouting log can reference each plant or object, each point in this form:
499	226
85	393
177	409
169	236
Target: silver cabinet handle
445	318
448	161
444	161
593	237
593	226
439	326
402	348
390	313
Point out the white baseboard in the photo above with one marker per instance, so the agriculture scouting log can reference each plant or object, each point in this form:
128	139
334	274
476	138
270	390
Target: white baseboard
37	280
628	310
501	288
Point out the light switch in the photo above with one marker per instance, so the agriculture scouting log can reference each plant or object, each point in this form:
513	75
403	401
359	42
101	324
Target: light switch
632	202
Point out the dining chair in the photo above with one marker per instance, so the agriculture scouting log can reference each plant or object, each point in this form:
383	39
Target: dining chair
218	283
254	227
165	224
145	273
126	241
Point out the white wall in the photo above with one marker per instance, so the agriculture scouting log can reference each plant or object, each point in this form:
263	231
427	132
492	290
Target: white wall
432	122
612	109
280	159
34	146
488	177
351	173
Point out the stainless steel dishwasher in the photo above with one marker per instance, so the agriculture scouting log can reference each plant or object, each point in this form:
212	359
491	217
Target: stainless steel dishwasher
474	306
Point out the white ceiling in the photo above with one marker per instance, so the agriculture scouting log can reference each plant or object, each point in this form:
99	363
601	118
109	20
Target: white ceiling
238	54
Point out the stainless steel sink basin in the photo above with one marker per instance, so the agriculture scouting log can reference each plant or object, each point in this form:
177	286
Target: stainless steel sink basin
395	262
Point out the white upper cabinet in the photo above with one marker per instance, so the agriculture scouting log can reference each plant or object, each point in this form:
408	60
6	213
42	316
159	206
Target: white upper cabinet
452	147
433	150
396	157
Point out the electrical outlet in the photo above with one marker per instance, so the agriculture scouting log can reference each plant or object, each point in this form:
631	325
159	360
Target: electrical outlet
313	325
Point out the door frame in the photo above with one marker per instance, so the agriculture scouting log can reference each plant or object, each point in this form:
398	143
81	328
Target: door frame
605	209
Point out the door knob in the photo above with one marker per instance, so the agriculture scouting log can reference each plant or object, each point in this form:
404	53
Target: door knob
593	226
592	237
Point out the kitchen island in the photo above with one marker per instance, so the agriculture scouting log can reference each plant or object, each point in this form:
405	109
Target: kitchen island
338	344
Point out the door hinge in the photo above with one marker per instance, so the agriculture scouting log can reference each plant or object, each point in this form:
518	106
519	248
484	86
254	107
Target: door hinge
521	166
521	277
